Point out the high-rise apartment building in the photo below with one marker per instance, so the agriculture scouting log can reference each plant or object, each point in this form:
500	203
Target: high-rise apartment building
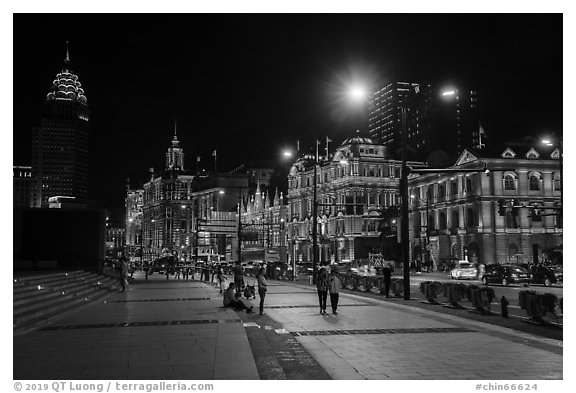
440	123
60	141
384	111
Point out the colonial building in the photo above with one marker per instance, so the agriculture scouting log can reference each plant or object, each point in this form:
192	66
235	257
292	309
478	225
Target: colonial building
134	203
60	141
264	226
512	213
115	239
192	214
355	186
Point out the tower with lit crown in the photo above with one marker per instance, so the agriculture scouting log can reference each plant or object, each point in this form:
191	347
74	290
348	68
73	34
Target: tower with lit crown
175	155
60	141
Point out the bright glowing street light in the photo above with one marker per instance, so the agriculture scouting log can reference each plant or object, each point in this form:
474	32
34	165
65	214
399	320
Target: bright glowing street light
287	153
358	93
547	142
448	93
221	192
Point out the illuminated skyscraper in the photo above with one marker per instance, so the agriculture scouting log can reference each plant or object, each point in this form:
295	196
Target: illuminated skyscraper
440	123
60	141
384	123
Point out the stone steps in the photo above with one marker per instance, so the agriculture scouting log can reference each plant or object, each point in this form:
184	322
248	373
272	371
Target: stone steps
28	283
59	292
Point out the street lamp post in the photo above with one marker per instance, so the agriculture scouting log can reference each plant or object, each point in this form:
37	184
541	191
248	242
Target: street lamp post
239	227
314	213
404	210
240	223
141	245
427	203
315	219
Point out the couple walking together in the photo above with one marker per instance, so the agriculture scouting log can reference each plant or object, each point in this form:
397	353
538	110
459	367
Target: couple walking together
328	283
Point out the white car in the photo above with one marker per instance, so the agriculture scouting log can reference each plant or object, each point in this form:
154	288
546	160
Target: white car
464	270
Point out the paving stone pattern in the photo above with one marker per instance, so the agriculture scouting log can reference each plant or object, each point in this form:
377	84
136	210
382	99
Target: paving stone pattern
169	329
129	338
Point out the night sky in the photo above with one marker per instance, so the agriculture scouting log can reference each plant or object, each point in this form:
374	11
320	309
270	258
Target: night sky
248	85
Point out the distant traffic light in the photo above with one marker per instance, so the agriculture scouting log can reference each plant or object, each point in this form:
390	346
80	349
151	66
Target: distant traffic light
502	207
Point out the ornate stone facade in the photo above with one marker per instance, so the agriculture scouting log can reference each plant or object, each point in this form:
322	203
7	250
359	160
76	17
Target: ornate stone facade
354	186
510	214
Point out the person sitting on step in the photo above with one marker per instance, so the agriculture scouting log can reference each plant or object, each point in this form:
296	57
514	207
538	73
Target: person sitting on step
234	300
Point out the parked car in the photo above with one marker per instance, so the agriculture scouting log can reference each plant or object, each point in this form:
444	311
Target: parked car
464	269
342	267
304	267
546	274
505	274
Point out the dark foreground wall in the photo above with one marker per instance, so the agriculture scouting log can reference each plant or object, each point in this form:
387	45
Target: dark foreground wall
58	238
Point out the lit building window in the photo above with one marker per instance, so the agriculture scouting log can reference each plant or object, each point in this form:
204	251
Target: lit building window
534	183
509	183
557	185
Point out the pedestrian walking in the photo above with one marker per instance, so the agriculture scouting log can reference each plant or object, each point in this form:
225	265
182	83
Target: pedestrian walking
238	276
220	276
262	288
387	272
334	288
123	272
322	288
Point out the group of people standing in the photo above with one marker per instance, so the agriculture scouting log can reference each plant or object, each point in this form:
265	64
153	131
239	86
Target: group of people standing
325	284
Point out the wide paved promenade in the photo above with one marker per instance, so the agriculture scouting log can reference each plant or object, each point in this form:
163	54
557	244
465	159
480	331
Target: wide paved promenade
177	330
158	329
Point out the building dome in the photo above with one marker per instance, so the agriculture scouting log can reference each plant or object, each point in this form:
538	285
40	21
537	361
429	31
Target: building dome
358	140
66	87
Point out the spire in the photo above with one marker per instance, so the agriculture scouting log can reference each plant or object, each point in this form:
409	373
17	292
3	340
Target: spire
67	59
257	197
175	154
276	200
175	141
